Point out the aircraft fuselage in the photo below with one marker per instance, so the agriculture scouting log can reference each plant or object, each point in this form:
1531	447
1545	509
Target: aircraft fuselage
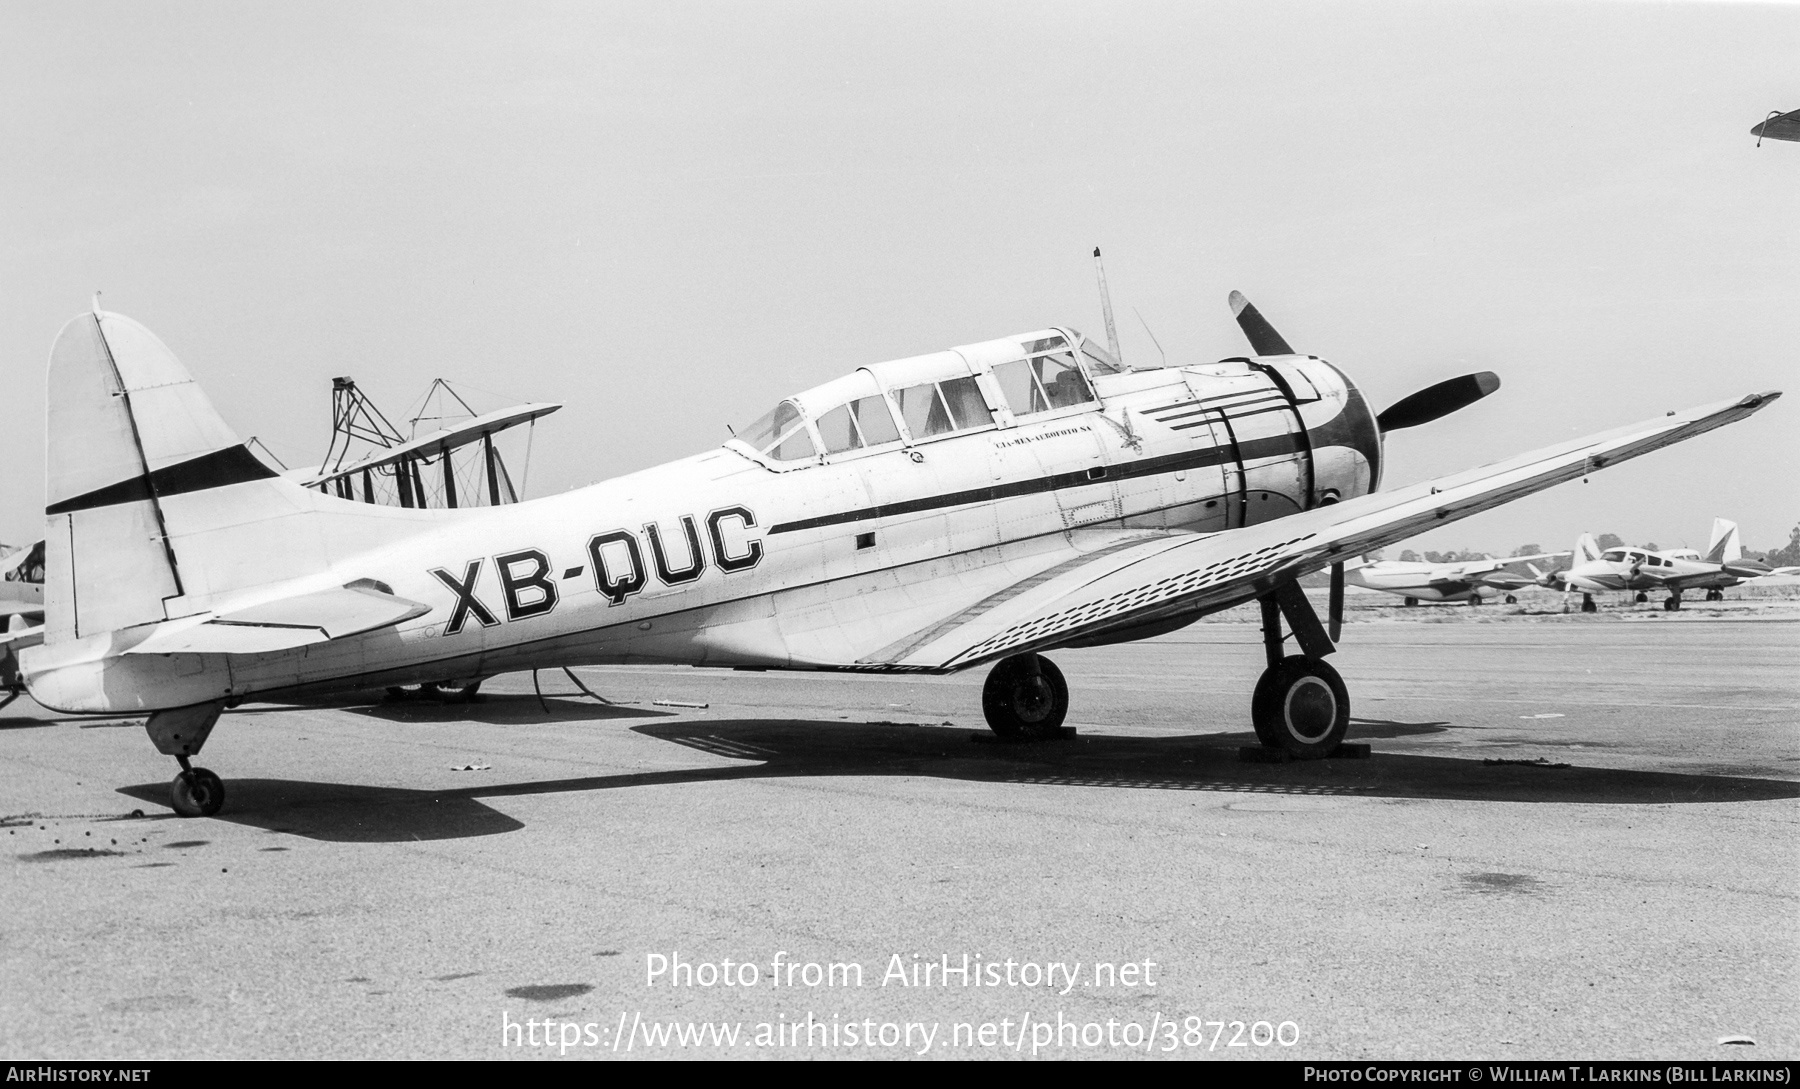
739	559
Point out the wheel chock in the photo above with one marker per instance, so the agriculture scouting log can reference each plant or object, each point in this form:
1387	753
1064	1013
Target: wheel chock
1063	733
1258	754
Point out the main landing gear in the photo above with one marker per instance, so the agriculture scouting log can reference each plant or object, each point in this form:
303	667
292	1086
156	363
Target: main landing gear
1673	604
1300	705
1025	698
196	792
180	732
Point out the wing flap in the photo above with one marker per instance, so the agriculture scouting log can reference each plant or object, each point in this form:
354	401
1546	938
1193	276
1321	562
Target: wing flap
317	617
1199	574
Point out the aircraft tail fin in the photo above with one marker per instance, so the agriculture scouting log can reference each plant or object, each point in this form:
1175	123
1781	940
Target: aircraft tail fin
1725	545
154	507
1586	549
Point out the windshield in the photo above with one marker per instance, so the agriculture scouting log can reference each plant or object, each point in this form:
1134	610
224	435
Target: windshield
780	434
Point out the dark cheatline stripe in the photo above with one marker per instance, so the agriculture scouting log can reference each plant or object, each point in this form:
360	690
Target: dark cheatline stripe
1255	449
232	465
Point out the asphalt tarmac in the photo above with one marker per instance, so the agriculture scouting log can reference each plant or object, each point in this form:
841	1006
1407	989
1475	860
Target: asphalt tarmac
1575	839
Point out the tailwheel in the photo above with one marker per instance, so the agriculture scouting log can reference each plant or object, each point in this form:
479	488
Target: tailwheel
1025	697
196	792
1301	707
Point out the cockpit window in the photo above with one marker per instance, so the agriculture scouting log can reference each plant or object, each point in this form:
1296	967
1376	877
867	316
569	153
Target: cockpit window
838	431
874	420
794	446
862	422
924	411
967	406
936	408
767	427
1615	556
1100	361
1043	383
781	434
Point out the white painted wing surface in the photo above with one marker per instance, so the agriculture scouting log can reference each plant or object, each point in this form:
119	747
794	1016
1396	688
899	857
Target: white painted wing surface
297	621
1197	574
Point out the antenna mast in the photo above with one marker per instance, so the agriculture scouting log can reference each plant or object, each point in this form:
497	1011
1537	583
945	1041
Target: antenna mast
1112	334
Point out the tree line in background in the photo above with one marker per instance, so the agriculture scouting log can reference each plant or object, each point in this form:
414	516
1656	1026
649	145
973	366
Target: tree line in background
1787	556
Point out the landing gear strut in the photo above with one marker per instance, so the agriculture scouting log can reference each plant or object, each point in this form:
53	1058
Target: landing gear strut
1300	705
180	733
1587	604
1673	604
1026	698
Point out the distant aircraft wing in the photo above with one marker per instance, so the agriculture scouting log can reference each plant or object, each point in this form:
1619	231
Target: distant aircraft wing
1157	582
1784	126
1504	580
297	621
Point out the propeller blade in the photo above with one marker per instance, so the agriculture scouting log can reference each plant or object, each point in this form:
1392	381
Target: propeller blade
1440	400
1264	340
1334	613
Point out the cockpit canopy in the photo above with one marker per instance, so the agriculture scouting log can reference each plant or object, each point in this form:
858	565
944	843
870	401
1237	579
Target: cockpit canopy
927	396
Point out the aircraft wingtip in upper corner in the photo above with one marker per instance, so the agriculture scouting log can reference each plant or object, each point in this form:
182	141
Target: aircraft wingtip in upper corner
982	504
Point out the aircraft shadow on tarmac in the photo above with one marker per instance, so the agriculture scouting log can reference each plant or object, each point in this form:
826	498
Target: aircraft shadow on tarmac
780	748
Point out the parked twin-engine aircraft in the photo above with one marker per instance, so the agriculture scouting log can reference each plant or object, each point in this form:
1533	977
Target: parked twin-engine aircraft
973	506
1642	570
1464	580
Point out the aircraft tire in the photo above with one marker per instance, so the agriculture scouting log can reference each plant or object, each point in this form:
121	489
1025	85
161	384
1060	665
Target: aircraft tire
1641	598
196	793
1511	599
1024	704
1673	604
1301	707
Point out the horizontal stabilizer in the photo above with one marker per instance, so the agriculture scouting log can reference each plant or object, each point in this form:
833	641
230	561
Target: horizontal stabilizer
317	617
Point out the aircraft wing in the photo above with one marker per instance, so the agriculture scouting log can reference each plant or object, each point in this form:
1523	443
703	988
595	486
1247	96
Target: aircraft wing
1162	580
296	621
1503	580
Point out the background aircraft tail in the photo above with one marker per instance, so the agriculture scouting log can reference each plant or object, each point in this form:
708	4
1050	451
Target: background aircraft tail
1725	545
1586	549
154	508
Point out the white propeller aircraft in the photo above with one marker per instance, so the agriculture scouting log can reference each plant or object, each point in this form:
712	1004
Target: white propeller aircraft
1675	570
1464	580
968	507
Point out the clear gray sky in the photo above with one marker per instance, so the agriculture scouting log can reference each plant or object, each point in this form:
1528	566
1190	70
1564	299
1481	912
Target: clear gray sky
667	215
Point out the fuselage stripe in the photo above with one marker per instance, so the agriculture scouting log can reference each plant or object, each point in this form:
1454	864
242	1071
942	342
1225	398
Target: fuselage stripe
1255	449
